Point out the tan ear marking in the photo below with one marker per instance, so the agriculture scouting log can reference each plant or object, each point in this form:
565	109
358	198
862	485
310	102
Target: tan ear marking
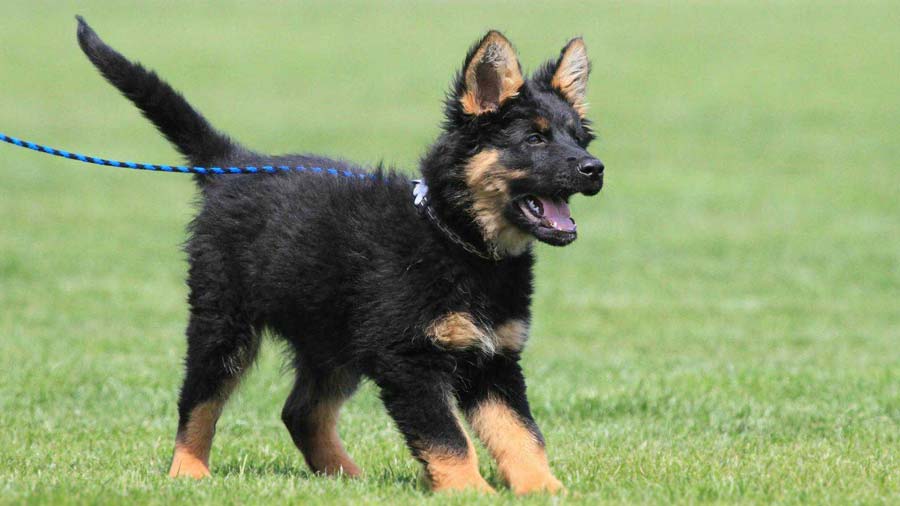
492	75
571	75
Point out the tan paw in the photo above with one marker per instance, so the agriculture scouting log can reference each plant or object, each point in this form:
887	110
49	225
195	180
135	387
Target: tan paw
477	484
545	484
185	464
346	469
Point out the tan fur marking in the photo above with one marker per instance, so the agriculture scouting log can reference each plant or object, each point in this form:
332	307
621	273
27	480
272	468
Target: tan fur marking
469	103
323	449
571	76
542	123
192	445
520	457
488	181
499	53
448	472
512	335
458	330
194	441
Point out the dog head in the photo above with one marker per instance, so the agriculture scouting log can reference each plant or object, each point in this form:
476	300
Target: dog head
514	150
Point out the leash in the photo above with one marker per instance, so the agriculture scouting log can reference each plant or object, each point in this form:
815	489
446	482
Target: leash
420	190
270	169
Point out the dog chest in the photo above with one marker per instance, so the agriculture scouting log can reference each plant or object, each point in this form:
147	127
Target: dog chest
460	330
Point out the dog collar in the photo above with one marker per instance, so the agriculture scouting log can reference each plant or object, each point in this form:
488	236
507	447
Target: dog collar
421	201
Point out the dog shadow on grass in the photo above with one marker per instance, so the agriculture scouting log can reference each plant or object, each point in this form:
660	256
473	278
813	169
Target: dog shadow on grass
237	469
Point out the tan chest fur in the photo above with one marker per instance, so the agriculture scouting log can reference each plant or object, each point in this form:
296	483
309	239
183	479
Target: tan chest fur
459	330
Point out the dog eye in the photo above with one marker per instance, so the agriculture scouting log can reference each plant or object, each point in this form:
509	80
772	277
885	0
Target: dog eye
534	139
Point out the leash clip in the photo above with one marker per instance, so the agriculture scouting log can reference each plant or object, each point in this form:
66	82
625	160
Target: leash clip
420	200
420	193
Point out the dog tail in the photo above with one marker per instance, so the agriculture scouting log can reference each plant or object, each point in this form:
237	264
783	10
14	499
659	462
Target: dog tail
173	116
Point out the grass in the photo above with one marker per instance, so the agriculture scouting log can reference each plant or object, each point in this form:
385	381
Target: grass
725	330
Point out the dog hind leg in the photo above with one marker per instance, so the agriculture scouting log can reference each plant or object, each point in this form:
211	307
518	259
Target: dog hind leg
311	414
219	352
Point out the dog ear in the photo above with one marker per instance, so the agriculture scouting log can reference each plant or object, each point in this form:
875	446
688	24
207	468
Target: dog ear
570	74
490	76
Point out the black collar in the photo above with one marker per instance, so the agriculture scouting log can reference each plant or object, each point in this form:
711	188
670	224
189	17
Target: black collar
421	201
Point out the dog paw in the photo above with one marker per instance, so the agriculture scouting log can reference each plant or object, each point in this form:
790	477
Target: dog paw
480	486
548	484
186	465
447	484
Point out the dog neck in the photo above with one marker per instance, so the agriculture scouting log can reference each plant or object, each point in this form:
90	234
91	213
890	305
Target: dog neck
487	250
422	201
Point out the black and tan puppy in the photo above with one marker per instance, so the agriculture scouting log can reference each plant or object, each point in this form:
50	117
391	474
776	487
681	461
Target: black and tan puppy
426	293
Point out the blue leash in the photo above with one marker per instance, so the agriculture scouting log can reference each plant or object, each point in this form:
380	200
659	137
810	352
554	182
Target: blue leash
270	169
420	189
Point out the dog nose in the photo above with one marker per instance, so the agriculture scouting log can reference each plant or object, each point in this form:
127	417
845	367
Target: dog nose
591	168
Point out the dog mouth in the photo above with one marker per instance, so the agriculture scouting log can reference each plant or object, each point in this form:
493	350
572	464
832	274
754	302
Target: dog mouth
548	219
548	213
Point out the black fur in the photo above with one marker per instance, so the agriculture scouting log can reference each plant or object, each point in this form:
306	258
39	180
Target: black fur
348	272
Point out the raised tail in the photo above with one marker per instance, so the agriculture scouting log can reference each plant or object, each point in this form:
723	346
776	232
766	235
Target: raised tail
183	126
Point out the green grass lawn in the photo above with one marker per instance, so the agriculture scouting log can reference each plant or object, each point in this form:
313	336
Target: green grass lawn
726	329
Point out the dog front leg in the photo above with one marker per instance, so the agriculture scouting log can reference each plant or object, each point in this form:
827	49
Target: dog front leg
420	402
497	408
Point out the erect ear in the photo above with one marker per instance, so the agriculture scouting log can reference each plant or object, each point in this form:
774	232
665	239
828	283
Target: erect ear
571	74
491	75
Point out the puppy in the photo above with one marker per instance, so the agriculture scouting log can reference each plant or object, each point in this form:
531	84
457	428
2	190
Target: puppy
423	287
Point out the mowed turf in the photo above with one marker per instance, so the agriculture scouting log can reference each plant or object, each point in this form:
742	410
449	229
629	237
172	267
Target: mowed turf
726	328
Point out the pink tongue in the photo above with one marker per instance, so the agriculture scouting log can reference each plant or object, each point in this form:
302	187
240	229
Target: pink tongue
557	213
